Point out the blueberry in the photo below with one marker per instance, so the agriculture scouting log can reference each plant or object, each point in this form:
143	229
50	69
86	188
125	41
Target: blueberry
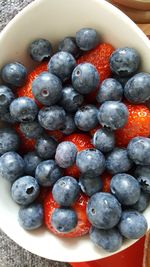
63	220
124	61
47	173
71	100
103	210
86	118
9	140
69	126
113	114
125	188
14	74
6	117
12	166
65	154
142	203
47	88
40	49
133	225
31	129
25	190
110	90
85	78
62	65
6	97
23	109
110	240
46	147
118	161
137	89
68	44
31	160
66	191
31	217
90	161
52	118
90	184
104	140
142	173
145	183
139	150
87	38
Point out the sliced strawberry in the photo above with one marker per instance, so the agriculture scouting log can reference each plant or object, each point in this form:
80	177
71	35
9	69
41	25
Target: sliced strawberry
83	225
138	124
93	131
44	191
99	57
26	144
26	90
58	135
72	171
106	178
81	141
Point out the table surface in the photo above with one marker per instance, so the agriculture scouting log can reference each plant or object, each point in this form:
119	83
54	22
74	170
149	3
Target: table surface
11	255
145	28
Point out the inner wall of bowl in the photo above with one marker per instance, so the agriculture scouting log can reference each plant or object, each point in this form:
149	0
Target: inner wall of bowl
57	19
54	20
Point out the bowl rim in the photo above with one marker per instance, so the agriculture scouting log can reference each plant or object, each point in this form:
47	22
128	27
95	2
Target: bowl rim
12	23
110	6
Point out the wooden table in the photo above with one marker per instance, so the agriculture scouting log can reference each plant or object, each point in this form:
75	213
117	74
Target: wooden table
145	28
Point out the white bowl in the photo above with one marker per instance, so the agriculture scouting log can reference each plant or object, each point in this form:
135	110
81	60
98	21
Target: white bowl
54	19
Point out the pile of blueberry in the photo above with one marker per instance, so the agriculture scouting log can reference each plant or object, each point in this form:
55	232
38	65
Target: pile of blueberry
61	91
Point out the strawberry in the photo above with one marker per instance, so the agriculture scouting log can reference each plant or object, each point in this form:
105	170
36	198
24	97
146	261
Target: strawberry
26	90
44	191
29	144
106	178
99	57
72	171
138	124
58	135
81	141
26	144
83	225
93	131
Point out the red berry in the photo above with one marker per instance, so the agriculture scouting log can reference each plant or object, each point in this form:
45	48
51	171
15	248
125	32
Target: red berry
58	135
26	144
81	141
99	57
44	191
83	225
93	131
26	90
106	178
72	171
138	124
